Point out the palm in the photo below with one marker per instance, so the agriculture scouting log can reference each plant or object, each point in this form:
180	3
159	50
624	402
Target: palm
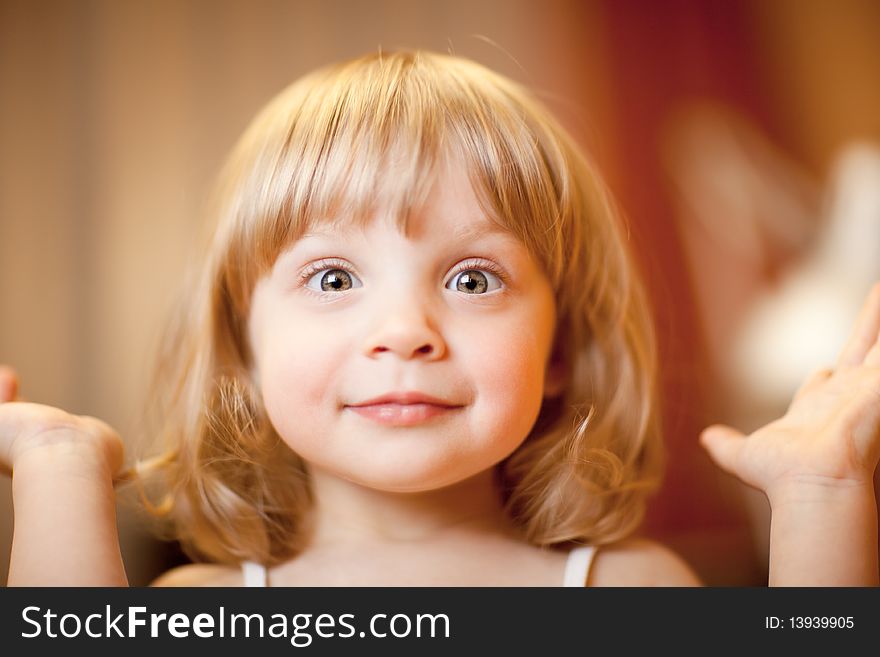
25	426
831	431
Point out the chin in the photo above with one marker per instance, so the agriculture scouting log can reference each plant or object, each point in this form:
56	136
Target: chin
412	480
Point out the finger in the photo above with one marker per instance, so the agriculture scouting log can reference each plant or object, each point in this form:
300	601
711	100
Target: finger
816	378
723	444
872	359
864	333
8	384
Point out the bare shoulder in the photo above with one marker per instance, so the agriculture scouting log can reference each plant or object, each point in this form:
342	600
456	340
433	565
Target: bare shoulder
200	574
640	562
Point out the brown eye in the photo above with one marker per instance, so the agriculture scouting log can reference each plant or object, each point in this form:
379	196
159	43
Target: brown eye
335	280
332	279
474	281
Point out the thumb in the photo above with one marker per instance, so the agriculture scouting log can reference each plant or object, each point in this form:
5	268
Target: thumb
8	384
724	445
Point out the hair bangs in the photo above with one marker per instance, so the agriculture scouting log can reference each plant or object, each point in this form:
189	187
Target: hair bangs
366	136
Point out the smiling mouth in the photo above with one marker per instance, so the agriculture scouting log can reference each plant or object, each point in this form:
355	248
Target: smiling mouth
403	415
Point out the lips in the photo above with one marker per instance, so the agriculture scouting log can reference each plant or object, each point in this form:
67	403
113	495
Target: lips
408	397
403	408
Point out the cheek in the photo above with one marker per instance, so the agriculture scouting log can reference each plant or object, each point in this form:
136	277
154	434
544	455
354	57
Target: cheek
297	378
507	366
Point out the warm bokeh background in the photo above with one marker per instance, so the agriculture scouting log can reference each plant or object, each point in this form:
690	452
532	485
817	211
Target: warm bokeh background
718	125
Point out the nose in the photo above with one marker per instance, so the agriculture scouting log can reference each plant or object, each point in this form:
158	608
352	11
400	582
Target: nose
407	331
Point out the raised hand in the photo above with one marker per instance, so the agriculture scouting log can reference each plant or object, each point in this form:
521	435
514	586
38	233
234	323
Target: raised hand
28	430
816	464
65	516
830	435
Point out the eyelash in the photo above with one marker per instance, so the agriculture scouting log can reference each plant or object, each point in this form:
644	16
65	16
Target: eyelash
334	263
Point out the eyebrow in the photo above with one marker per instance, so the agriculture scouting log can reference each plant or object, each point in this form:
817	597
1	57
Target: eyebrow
467	234
482	230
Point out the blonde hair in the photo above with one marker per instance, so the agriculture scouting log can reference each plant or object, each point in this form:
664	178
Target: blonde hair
320	150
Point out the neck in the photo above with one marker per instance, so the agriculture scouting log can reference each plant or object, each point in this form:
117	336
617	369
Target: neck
348	513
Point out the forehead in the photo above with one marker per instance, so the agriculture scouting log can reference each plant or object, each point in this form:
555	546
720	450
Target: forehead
427	237
419	227
450	209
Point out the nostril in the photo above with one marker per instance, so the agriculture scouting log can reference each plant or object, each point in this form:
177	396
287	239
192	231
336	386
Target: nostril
424	350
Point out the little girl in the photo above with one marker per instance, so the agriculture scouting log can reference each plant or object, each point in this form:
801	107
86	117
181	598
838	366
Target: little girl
419	355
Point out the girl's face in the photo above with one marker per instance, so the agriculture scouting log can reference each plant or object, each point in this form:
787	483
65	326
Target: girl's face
405	362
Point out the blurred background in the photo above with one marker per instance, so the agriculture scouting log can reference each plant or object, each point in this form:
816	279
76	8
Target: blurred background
741	139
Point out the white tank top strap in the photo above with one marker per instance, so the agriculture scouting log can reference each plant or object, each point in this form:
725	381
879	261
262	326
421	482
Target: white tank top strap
254	574
577	568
